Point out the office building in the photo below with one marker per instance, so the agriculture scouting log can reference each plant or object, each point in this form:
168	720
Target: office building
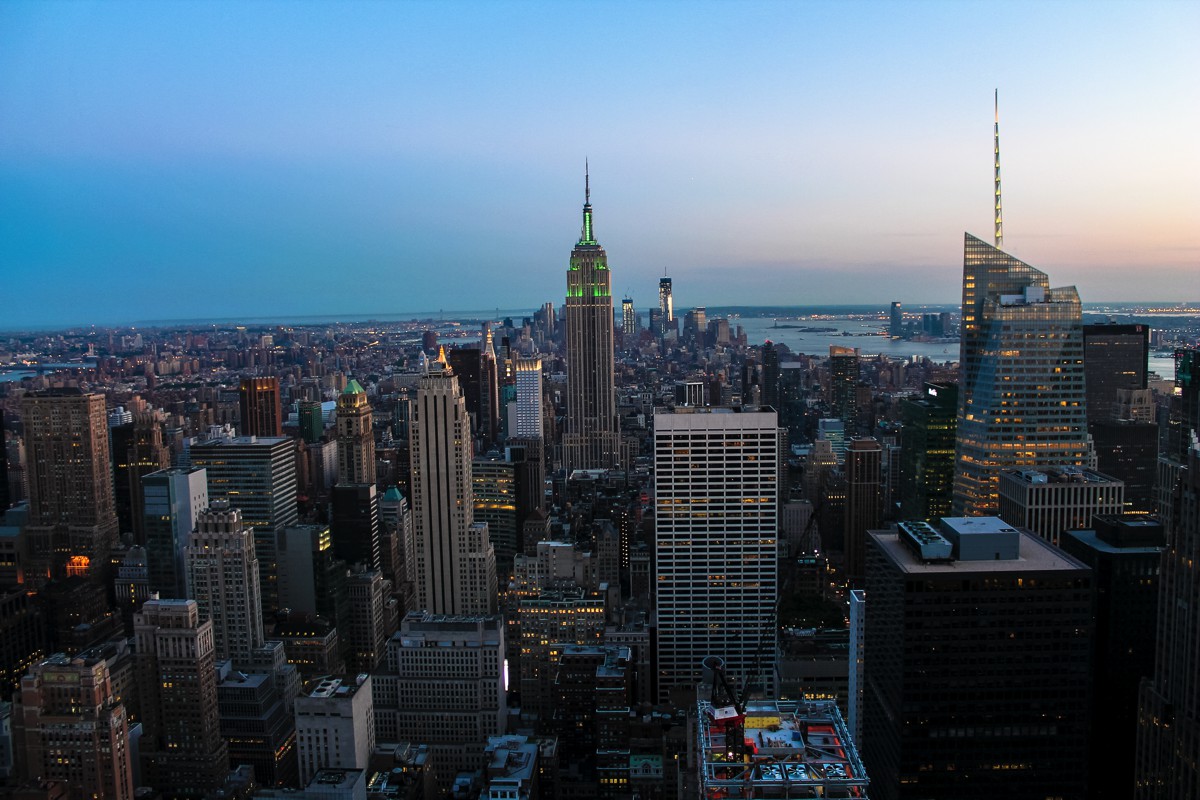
72	515
896	321
629	326
223	579
864	502
527	375
1114	357
5	493
257	721
258	401
1127	451
371	618
1055	499
1021	398
354	524
450	692
1123	553
547	620
666	307
1169	703
489	422
137	450
312	579
257	475
927	452
172	499
312	420
335	725
716	493
455	562
592	438
70	727
977	675
355	437
834	432
844	373
183	752
494	487
23	635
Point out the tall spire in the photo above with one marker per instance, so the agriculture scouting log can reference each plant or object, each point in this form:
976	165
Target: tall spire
999	214
586	237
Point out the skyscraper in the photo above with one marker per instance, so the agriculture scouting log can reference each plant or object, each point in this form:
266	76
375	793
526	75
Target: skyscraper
628	317
844	372
223	579
172	499
666	306
71	727
592	439
257	475
927	452
489	388
1021	400
528	378
356	440
1114	357
456	565
864	501
183	752
716	491
1169	702
977	669
72	516
258	400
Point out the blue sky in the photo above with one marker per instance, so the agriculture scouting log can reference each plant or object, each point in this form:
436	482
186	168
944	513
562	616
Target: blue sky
183	160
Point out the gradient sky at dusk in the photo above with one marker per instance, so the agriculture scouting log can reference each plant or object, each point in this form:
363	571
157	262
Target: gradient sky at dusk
191	160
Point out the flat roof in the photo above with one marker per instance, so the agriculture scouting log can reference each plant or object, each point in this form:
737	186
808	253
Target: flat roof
1036	555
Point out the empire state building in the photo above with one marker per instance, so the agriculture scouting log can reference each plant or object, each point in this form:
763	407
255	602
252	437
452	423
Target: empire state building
592	438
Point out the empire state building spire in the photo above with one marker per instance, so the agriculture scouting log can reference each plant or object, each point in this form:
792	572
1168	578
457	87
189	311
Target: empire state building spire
586	236
999	215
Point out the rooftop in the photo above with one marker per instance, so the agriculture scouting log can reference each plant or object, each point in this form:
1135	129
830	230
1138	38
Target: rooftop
1035	554
792	749
1048	475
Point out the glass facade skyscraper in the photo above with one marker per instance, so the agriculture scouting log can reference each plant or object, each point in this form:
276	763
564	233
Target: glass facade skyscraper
1021	398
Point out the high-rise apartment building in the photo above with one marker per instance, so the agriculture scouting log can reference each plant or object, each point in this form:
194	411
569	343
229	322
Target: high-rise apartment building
896	321
927	452
137	450
978	663
172	499
592	439
72	516
355	437
716	520
527	375
456	564
1114	357
864	502
183	752
71	727
223	579
257	475
1021	398
258	401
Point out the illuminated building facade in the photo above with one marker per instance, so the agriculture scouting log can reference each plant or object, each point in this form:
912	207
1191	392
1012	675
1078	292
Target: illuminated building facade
592	439
927	452
258	401
1021	398
716	489
356	440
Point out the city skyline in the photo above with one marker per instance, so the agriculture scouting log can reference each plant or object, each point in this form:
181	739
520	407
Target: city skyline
174	155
